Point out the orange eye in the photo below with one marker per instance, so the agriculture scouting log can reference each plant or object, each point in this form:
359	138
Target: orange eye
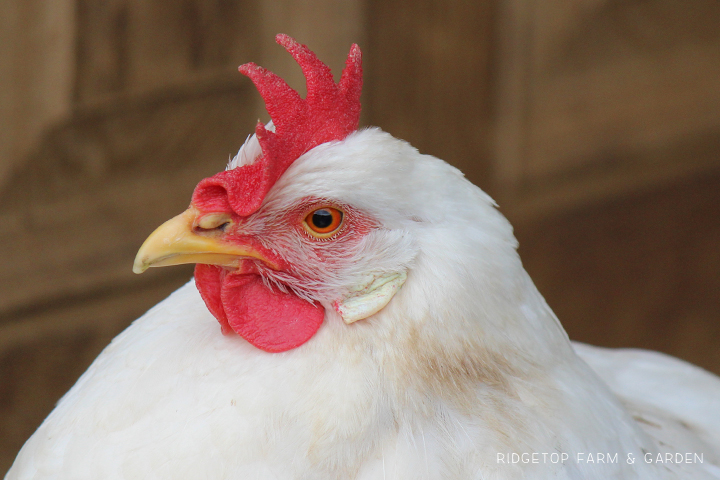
323	222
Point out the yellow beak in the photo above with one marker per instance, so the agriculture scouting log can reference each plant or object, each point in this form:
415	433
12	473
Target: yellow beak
178	241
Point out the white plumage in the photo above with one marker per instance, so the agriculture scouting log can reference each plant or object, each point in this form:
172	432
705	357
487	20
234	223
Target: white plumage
465	366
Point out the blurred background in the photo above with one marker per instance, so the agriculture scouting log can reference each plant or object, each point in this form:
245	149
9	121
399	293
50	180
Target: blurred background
595	124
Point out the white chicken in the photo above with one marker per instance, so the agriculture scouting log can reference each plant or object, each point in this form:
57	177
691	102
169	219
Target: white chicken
378	325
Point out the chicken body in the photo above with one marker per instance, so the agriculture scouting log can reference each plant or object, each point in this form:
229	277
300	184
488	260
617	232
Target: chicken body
465	366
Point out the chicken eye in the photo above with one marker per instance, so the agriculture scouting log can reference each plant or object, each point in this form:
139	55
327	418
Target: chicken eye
323	222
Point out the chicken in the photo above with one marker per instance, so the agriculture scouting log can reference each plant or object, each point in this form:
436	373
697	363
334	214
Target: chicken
376	322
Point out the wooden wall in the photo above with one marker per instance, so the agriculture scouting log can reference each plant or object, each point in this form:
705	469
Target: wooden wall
37	64
594	123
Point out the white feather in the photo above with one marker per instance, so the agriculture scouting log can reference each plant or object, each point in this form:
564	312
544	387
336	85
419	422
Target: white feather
249	151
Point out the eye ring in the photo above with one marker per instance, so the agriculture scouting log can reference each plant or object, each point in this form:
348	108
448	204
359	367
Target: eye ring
323	222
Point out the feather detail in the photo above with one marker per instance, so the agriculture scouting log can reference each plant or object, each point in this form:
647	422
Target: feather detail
250	150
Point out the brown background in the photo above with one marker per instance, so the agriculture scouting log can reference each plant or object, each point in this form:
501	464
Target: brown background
594	123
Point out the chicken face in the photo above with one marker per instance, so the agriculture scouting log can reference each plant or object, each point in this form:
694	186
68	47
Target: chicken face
271	260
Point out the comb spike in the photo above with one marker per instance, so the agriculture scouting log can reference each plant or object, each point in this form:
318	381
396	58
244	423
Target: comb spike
318	77
277	95
351	82
351	78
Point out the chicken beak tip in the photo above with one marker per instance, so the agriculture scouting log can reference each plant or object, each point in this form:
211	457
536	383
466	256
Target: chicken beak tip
139	267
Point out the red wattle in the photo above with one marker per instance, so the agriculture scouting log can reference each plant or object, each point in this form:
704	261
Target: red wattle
208	280
269	319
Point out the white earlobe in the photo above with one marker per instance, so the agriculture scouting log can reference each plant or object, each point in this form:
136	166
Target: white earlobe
371	297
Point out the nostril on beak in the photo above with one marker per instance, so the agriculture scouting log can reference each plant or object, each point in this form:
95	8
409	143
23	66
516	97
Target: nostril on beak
213	221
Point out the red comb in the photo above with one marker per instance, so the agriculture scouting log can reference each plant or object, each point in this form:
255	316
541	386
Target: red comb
330	112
